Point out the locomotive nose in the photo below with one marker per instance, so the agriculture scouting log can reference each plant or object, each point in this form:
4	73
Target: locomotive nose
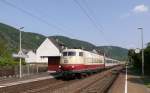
67	67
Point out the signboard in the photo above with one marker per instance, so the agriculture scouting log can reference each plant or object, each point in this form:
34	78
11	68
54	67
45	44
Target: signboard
137	50
20	55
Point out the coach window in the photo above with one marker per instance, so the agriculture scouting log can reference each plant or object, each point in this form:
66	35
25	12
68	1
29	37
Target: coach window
80	53
71	53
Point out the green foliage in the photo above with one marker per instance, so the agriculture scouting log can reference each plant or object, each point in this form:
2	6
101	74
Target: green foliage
5	57
114	52
147	60
74	43
7	61
2	47
136	60
146	80
10	36
148	44
9	43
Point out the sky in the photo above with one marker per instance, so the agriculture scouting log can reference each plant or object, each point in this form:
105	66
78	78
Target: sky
101	22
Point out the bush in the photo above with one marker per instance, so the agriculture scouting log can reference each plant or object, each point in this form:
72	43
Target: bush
136	60
7	61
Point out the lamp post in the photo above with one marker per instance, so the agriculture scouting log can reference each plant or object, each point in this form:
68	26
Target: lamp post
20	54
141	29
104	59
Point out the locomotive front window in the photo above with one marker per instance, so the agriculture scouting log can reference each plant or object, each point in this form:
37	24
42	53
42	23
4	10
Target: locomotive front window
71	53
64	53
109	61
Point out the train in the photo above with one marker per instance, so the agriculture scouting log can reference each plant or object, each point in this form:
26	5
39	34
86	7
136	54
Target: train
75	62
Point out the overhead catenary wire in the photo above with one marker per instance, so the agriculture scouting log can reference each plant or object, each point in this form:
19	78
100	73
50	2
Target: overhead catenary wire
46	22
32	15
92	13
92	18
88	16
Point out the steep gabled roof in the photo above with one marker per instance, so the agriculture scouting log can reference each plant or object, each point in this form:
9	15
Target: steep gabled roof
57	43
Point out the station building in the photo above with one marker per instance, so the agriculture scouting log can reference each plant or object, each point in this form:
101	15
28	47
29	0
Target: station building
48	53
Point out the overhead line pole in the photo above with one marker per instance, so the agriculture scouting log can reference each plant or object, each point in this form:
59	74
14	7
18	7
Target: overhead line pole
20	54
141	29
20	68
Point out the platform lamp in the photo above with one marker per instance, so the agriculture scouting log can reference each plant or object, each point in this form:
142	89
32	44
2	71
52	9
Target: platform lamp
142	49
20	53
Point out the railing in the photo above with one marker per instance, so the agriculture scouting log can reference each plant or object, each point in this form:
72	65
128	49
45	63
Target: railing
13	71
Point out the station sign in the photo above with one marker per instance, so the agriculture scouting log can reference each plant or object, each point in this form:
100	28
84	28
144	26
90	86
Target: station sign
137	50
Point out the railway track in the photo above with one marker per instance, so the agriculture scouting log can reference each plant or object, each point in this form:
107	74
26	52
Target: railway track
28	86
100	86
97	83
51	87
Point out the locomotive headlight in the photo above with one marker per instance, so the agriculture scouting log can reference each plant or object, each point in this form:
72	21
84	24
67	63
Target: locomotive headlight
59	66
72	66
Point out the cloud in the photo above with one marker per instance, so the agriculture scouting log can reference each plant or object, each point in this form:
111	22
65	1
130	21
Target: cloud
140	8
135	10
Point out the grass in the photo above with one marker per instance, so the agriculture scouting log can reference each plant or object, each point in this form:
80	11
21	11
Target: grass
146	80
134	71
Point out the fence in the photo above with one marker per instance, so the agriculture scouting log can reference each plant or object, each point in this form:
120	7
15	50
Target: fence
29	69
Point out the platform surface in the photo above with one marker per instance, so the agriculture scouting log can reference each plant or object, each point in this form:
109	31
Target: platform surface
15	81
134	84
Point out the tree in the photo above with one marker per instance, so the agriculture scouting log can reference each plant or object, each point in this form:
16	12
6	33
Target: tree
5	56
136	60
147	60
148	44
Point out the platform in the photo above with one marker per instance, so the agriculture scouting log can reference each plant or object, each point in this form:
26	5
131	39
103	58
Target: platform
15	81
134	84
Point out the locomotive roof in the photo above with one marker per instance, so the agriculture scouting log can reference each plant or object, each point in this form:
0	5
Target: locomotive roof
80	50
72	50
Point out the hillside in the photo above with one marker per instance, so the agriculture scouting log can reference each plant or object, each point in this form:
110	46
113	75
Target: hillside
74	43
114	52
110	51
10	36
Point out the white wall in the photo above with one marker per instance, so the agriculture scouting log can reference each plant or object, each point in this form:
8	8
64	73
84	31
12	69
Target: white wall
31	57
47	48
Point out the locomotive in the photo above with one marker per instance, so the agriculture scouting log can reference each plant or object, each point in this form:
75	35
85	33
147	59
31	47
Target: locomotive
77	61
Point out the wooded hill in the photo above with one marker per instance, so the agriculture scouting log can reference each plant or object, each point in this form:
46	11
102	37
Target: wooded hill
31	41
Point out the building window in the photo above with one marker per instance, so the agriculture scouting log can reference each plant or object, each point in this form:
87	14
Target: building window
43	57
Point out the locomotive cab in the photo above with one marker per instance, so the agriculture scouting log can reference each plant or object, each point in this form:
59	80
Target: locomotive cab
71	60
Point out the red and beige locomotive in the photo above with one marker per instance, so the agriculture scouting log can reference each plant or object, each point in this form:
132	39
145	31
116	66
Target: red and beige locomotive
77	61
80	60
